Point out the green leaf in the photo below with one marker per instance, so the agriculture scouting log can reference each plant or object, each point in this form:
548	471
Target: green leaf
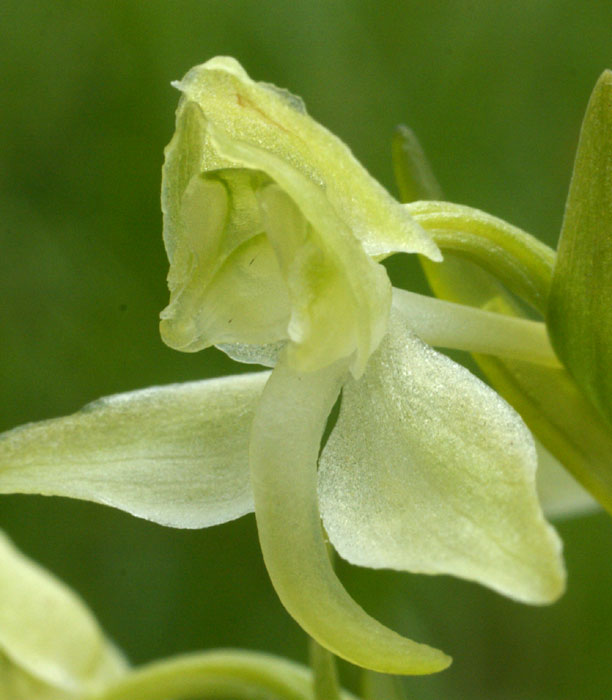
285	440
48	632
177	454
428	470
580	305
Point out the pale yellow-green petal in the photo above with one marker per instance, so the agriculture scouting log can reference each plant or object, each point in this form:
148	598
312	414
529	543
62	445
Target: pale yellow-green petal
48	632
276	121
286	435
428	470
174	454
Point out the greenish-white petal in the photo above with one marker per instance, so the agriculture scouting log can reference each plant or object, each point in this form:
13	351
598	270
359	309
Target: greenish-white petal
560	494
548	401
177	454
286	435
47	631
428	470
580	304
276	121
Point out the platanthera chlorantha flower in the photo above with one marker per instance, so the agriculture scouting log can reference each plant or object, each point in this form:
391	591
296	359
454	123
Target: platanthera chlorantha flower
52	648
275	234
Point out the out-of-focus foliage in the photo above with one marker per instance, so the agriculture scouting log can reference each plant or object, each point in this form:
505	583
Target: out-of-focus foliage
496	93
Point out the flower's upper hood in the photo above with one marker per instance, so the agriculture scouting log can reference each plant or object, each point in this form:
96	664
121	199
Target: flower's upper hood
269	225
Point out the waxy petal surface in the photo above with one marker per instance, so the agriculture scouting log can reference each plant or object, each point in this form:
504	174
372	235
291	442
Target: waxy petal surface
177	454
428	470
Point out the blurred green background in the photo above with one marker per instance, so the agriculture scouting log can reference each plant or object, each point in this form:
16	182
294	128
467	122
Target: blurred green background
496	91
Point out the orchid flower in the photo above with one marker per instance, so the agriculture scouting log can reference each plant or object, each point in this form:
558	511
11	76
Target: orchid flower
275	236
52	648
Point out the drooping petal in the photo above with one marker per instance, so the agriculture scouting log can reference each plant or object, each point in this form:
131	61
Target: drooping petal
286	435
48	632
177	454
428	470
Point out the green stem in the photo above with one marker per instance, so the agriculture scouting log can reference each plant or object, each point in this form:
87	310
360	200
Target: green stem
377	686
448	325
413	173
324	672
228	674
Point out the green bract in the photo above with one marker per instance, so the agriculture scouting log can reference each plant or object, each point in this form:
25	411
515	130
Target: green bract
274	233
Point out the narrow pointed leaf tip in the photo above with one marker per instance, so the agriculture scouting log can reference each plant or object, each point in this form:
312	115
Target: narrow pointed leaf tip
269	225
176	454
580	303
